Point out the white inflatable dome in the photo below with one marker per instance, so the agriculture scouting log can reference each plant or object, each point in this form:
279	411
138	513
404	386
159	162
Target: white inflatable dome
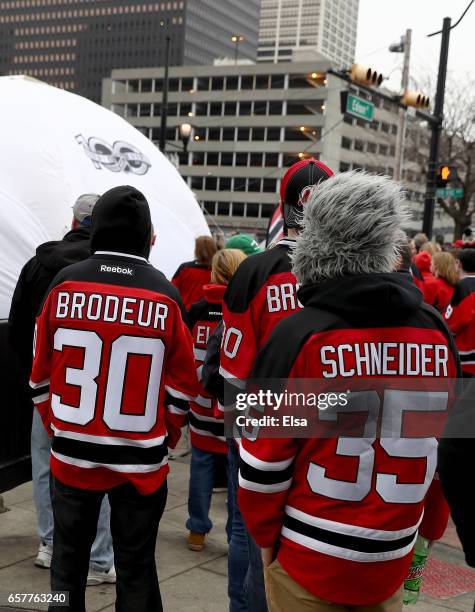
55	146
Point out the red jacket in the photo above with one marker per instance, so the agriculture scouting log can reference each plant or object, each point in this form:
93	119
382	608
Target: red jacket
189	279
206	421
460	317
429	284
344	512
443	294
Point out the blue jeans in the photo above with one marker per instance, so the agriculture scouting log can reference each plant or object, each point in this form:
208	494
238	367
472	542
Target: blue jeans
102	554
254	584
202	476
238	555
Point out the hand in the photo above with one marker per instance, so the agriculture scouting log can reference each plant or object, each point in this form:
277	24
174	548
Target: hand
267	556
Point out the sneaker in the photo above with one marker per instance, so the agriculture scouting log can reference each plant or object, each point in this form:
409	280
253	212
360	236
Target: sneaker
43	558
95	577
196	541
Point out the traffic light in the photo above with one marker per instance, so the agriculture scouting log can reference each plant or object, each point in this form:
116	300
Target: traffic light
416	99
445	174
364	75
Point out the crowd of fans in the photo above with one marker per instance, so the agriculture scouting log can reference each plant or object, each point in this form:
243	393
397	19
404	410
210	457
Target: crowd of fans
124	361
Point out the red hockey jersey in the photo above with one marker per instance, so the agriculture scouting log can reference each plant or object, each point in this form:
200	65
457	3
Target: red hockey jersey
189	279
344	512
113	372
261	293
460	317
206	421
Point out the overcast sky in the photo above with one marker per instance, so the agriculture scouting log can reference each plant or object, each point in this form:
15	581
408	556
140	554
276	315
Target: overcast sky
382	22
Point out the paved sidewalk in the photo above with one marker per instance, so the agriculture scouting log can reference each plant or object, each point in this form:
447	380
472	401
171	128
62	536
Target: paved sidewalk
192	582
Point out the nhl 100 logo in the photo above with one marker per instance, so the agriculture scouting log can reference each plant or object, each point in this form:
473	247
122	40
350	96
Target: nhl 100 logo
121	156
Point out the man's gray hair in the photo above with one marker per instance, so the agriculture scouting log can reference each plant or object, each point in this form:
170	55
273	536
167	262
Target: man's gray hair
352	225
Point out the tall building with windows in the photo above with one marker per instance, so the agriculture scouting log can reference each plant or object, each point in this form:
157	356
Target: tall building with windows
251	122
327	26
75	44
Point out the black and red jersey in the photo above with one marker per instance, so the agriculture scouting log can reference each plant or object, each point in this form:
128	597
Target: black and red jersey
345	511
113	372
261	293
189	279
460	317
206	421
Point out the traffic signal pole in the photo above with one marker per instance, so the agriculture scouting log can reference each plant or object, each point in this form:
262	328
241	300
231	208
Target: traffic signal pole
401	132
436	128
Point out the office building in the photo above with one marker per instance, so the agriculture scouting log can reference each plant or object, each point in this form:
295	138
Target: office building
326	26
75	44
250	122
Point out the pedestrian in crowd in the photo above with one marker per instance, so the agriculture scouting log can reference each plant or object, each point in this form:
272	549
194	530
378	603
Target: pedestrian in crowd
191	276
419	240
440	241
337	523
113	372
30	291
444	269
244	242
261	293
456	453
206	421
423	261
460	314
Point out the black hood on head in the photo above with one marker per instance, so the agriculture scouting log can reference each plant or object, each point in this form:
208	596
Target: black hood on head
121	222
370	297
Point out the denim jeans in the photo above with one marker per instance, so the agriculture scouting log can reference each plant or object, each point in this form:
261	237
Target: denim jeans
254	583
202	476
102	554
238	555
134	526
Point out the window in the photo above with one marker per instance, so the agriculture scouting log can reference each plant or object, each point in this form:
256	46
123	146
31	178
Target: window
344	167
185	109
245	108
359	145
392	150
197	182
255	159
385	127
223	208
215	108
239	184
289	159
198	159
252	209
213	159
238	209
214	134
275	108
173	84
210	207
157	110
298	81
311	107
260	108
241	159
145	110
345	142
273	133
294	134
243	133
393	129
272	160
371	147
262	81
230	108
147	85
228	133
231	82
269	185
226	159
224	184
201	109
347	119
383	149
203	84
217	83
186	84
277	81
247	82
258	134
254	185
374	125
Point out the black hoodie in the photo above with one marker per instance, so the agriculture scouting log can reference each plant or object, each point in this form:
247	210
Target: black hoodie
32	285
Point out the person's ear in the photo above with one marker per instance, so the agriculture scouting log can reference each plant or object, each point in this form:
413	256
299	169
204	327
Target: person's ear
153	240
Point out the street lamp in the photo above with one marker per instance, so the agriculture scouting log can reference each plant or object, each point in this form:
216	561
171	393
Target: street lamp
236	39
164	114
185	133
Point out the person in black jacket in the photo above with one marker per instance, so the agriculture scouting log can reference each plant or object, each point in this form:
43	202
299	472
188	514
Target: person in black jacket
455	460
32	286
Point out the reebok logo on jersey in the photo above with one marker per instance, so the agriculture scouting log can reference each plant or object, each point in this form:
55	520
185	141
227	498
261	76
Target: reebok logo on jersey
117	269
